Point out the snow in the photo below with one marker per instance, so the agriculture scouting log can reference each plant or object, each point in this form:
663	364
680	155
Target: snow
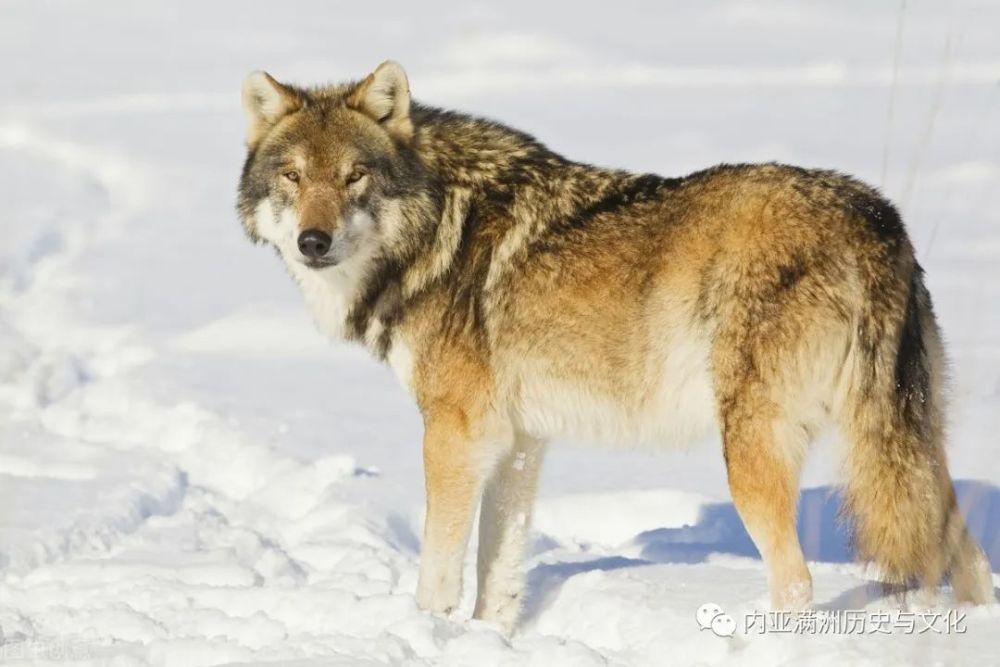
191	475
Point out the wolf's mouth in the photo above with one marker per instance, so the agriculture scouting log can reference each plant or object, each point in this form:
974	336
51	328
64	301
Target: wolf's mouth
321	263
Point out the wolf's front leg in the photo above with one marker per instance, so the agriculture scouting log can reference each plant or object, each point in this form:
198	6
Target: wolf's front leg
503	530
454	473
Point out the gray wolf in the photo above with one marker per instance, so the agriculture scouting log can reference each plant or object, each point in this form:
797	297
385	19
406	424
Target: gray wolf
520	296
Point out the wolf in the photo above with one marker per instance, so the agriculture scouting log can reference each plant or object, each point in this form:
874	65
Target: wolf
520	296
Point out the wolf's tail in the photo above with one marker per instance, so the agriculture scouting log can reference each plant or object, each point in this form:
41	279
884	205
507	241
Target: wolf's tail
899	495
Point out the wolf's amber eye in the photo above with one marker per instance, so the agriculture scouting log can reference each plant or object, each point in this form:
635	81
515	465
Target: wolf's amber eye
356	176
293	176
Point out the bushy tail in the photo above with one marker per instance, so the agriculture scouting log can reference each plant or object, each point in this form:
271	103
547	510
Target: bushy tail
899	495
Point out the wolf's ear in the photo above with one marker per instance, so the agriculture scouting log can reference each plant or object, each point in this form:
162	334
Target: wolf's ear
265	102
384	95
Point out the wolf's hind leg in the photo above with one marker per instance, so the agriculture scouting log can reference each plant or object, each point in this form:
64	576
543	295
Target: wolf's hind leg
503	529
762	462
970	571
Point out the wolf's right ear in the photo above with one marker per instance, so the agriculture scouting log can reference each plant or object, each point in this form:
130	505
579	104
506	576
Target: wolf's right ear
265	102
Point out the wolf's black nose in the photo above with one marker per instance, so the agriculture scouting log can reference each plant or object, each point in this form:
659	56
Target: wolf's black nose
314	243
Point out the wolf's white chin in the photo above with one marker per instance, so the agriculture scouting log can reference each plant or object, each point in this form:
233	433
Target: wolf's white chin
330	290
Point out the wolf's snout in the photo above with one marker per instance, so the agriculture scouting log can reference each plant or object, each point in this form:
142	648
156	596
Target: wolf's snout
314	243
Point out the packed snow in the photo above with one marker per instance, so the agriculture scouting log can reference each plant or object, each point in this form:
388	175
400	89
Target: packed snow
191	475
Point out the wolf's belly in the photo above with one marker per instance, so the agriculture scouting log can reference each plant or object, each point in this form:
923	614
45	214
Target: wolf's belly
674	407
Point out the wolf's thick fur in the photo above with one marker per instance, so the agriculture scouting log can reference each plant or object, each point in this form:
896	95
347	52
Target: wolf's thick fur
520	296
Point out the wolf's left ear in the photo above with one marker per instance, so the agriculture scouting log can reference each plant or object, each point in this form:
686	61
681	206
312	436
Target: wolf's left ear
384	95
265	102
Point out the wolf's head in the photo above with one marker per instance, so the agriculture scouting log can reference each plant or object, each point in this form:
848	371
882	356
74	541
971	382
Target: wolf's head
330	172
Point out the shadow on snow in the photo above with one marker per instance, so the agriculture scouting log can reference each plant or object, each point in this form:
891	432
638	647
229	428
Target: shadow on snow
719	530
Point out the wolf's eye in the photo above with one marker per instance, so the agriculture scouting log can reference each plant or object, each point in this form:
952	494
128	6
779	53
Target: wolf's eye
293	176
356	175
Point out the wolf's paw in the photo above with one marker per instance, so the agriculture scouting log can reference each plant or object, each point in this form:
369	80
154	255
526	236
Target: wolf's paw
793	595
972	578
439	594
500	608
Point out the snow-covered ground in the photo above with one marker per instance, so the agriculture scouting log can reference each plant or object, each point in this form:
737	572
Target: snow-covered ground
191	475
